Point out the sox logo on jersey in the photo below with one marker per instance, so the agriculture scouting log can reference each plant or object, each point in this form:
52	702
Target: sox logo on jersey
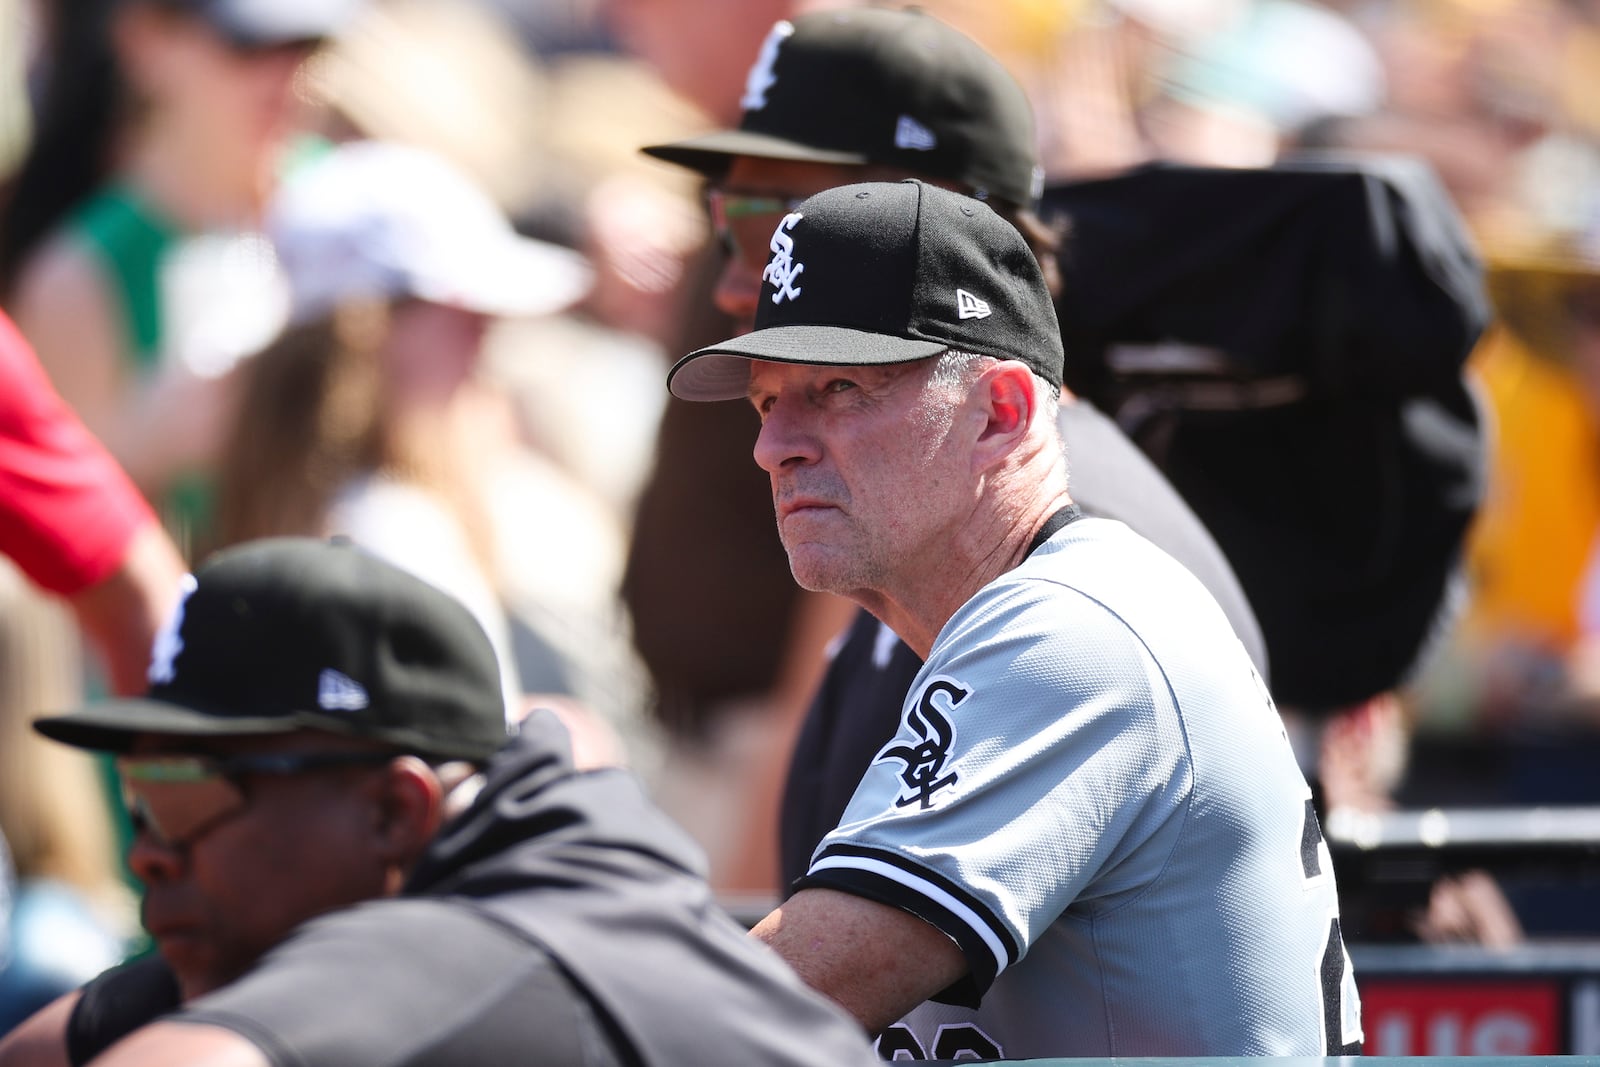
925	761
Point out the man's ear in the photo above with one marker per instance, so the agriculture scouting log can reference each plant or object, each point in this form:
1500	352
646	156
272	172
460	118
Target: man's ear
1004	395
409	806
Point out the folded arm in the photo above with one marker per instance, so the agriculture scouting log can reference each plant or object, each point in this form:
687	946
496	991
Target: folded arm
877	961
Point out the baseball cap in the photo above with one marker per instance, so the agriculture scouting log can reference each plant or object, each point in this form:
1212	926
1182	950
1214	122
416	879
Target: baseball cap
881	273
380	220
263	23
892	87
293	633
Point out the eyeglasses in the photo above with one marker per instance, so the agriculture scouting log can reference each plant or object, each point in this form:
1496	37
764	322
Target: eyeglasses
744	224
177	799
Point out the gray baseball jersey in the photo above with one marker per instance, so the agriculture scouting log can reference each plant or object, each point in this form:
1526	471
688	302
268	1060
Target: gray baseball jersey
1092	794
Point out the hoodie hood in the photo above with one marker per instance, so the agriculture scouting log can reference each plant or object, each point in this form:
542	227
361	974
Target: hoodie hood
583	864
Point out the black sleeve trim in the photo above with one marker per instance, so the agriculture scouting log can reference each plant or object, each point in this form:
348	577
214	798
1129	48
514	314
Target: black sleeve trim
118	1002
901	883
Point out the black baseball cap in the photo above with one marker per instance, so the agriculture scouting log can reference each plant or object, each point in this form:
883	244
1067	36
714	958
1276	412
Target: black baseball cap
898	88
883	273
265	23
295	633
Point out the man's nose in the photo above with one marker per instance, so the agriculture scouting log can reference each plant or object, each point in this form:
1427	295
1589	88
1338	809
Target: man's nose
738	290
785	436
152	860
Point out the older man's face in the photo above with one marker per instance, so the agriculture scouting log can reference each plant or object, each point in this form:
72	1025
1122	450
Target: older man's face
231	862
870	471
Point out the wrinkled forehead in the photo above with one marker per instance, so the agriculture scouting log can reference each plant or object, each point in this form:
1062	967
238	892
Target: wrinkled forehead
773	375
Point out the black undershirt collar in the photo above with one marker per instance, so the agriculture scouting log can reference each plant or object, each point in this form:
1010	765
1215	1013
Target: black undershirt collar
1053	525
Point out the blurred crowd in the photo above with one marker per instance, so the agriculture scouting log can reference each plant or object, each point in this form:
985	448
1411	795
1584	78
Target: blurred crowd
415	284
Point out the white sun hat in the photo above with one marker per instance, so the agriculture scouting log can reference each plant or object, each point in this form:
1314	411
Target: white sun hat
381	220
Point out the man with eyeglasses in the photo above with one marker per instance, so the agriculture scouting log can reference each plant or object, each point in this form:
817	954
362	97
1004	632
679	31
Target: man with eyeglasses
324	730
834	98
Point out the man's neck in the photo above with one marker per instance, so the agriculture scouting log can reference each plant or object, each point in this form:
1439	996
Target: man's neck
990	543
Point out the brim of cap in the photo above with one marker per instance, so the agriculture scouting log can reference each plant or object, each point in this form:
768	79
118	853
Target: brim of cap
709	154
264	23
521	277
722	371
111	726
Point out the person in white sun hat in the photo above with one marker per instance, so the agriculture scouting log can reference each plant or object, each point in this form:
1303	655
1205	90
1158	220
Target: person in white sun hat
366	418
383	220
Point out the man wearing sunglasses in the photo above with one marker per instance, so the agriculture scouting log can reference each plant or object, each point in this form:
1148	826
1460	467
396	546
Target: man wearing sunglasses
835	98
324	730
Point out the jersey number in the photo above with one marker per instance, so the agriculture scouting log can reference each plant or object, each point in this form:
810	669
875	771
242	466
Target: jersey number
960	1041
1334	972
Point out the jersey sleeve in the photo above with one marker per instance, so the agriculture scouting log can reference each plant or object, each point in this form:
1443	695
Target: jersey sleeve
1039	763
67	510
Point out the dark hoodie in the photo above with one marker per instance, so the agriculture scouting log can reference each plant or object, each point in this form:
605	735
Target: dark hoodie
561	919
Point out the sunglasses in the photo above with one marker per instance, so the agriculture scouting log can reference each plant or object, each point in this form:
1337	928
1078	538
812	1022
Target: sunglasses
177	799
743	224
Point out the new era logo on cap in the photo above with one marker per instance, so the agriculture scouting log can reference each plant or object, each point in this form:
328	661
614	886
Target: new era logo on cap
909	133
969	306
339	692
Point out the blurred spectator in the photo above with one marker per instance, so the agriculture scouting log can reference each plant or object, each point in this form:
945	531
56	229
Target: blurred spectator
701	48
446	77
72	524
125	254
367	417
553	143
1530	551
72	914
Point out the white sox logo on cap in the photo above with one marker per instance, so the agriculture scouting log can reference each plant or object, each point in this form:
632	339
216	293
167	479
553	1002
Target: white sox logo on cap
782	269
169	641
762	77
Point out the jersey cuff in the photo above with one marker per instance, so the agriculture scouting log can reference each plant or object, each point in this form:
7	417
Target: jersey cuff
891	878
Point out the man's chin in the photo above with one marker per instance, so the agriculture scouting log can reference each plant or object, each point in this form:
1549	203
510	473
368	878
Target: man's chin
814	572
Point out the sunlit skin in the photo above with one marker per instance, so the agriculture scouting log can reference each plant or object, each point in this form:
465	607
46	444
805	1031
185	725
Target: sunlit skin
219	113
882	477
430	351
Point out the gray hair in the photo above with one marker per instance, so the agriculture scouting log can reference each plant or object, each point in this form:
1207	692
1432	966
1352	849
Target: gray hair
956	368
